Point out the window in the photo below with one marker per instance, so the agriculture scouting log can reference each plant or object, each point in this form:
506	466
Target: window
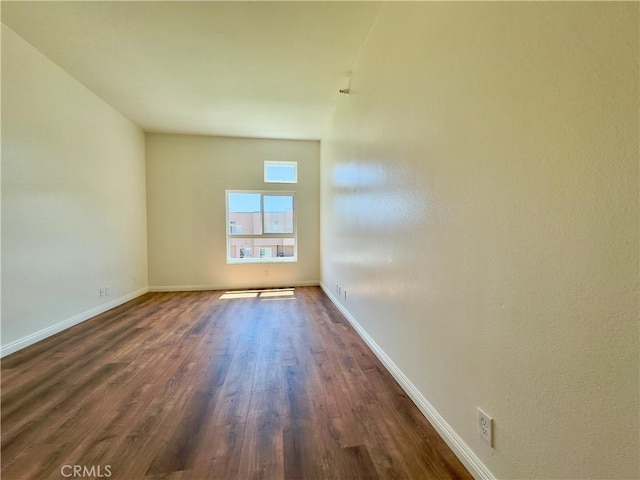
261	227
280	172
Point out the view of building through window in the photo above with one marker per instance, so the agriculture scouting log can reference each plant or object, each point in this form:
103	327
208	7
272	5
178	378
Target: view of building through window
261	226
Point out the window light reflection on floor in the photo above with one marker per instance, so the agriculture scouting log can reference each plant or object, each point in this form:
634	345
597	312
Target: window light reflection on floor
266	294
233	295
283	293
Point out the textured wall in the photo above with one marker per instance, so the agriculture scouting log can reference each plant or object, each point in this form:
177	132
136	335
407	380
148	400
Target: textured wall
480	205
73	196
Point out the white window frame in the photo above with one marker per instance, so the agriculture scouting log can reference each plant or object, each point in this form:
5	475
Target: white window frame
270	163
257	259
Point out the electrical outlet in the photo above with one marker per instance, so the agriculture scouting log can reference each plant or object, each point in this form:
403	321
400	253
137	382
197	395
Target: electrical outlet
102	292
107	290
345	294
485	427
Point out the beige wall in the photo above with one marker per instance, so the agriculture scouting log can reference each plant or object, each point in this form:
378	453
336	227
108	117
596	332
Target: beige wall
480	205
187	177
73	199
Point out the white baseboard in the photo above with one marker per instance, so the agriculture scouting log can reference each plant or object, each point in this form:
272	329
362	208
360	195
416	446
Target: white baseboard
461	449
197	288
24	342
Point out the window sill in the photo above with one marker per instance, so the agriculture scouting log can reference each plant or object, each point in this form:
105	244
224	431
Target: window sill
247	261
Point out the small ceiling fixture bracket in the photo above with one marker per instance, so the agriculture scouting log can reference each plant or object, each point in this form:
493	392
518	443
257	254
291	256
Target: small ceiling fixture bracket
347	84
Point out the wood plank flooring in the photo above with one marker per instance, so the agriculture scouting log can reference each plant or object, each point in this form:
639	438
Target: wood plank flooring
214	385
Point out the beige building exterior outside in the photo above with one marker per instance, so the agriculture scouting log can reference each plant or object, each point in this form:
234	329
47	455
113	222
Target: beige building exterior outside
244	225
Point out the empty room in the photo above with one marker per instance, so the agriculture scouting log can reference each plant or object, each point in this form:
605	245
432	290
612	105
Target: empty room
320	240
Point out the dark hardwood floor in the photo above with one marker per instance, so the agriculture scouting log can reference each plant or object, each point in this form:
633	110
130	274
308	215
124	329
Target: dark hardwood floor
208	385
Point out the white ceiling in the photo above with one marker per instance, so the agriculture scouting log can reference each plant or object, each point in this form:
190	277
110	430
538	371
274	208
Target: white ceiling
251	69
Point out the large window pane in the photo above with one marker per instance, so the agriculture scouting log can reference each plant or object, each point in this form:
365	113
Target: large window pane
261	227
245	217
278	214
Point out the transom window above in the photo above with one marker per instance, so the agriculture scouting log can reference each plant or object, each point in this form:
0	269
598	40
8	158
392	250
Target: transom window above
280	172
261	227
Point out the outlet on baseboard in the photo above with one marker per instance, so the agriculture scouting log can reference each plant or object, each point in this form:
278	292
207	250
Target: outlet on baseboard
485	427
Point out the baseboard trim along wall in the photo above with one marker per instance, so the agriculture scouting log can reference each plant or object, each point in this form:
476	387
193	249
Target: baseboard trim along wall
196	288
69	322
461	450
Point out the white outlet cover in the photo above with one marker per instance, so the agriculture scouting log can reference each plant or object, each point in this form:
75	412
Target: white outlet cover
485	427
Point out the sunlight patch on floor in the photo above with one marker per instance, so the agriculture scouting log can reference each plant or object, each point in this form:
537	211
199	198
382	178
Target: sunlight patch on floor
266	294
